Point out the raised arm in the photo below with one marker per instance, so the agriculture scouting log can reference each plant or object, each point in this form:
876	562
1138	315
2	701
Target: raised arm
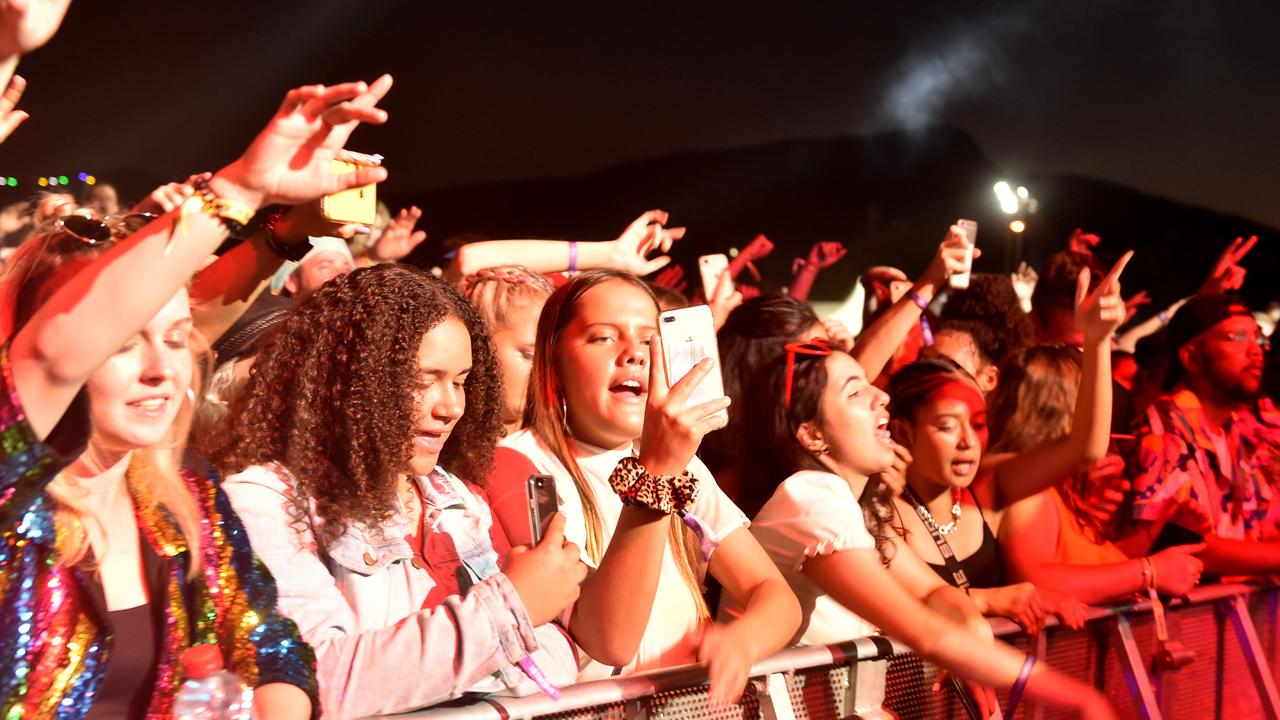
881	339
1098	313
93	313
629	251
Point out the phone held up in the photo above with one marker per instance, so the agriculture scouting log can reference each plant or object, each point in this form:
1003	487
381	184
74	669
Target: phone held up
688	336
540	492
960	280
358	204
709	268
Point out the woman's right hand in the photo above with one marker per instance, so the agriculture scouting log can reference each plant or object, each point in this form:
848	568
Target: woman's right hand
1178	569
1020	603
672	428
288	163
950	257
546	577
1099	313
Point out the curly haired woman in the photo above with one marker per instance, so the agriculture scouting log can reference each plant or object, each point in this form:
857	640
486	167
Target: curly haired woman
387	560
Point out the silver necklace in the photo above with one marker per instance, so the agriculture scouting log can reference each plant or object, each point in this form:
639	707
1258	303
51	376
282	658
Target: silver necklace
947	529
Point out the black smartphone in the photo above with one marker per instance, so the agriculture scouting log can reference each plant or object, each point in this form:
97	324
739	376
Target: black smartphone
540	492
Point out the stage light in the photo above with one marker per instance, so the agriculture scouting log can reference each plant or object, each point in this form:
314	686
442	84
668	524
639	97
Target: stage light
62	180
13	181
83	177
1017	226
1007	198
43	182
53	180
1022	193
89	180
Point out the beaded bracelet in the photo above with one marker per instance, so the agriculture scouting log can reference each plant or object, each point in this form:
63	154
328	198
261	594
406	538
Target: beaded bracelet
285	251
573	256
667	494
926	331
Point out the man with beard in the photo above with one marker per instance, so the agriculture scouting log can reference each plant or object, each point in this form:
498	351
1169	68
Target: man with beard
1208	448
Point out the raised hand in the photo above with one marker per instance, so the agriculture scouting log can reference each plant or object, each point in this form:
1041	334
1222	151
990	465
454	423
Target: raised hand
169	196
1082	242
10	116
837	334
1134	302
950	257
1024	284
288	163
724	298
1099	313
645	235
1227	275
758	249
27	24
547	576
399	238
672	428
821	256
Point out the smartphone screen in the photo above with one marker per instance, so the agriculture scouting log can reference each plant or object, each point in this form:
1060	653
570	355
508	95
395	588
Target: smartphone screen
543	503
709	268
688	336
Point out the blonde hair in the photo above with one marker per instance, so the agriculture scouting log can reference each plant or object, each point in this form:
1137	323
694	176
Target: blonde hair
498	291
24	285
545	417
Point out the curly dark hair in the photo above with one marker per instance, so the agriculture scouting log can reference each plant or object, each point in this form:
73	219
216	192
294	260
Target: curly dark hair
771	452
331	395
991	301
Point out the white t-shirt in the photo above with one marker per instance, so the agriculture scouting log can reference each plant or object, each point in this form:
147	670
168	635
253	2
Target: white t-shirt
812	514
671	635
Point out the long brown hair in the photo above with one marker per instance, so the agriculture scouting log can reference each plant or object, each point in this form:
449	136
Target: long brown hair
331	396
545	416
30	276
1036	399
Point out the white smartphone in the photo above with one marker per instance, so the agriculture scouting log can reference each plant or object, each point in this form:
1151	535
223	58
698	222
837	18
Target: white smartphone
688	335
960	280
710	267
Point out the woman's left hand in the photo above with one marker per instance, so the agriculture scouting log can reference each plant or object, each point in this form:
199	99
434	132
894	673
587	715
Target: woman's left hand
1020	603
728	660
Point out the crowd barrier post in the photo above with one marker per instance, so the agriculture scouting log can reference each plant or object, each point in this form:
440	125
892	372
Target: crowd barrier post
1238	611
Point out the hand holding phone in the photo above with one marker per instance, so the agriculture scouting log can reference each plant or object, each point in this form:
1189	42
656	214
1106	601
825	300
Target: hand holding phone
358	204
709	268
960	280
540	492
688	336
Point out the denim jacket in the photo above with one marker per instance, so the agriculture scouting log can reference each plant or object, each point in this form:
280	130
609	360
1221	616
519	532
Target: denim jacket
388	636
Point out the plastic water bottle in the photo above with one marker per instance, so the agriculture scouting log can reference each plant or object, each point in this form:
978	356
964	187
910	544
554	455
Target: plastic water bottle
210	692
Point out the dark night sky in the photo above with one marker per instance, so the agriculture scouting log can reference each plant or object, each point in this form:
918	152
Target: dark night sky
1175	98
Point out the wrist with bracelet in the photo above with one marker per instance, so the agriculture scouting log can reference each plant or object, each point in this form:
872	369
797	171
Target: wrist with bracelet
667	494
271	236
925	330
233	214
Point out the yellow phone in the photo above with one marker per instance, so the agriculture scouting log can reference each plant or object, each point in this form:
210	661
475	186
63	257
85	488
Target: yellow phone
357	205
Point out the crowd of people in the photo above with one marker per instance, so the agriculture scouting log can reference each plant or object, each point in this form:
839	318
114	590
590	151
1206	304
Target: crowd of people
288	445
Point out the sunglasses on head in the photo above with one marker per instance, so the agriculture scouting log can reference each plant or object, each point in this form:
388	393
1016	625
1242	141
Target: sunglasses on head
92	230
813	348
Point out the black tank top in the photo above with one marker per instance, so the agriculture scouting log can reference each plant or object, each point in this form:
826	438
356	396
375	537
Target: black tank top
984	568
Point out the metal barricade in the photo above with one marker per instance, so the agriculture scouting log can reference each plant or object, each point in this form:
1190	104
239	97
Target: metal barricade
1220	664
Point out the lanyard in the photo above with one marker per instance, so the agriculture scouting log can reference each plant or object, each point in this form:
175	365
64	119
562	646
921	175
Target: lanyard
958	577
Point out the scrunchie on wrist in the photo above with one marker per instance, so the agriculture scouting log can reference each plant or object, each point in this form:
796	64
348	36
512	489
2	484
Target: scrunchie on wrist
667	494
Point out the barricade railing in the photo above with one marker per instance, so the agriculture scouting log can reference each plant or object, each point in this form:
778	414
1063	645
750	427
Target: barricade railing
1218	663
